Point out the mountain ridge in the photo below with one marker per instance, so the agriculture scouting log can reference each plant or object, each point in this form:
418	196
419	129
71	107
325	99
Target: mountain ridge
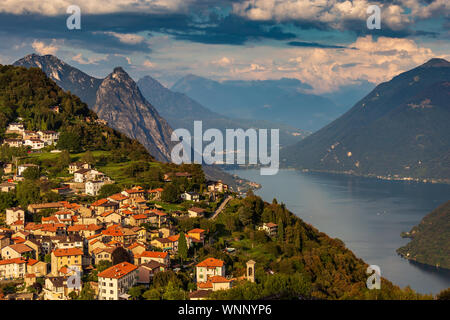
399	130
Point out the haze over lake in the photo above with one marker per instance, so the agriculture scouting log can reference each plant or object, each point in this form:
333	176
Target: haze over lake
367	214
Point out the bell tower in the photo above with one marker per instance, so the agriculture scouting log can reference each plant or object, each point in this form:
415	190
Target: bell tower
250	275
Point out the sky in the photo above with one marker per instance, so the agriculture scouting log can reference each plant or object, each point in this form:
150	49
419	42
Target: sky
324	43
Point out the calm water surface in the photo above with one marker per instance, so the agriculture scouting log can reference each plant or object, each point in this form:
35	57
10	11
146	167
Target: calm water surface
367	214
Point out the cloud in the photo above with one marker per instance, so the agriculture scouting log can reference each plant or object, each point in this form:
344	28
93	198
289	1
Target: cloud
128	38
313	45
41	48
335	13
91	60
57	7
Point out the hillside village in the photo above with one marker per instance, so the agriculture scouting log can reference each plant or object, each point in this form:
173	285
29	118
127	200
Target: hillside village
126	232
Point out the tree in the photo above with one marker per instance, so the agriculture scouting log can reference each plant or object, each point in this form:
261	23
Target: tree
152	294
136	292
182	246
31	173
170	193
103	265
87	293
108	190
174	292
69	141
120	255
280	230
88	157
27	192
64	159
7	200
245	215
48	258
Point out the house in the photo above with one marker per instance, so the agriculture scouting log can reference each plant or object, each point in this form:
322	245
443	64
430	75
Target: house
217	186
22	167
196	212
197	233
27	134
208	268
35	144
116	280
18	250
100	254
147	256
168	176
199	294
14	214
7	186
111	217
155	194
4	241
7	168
146	271
57	288
83	175
15	127
75	166
103	205
14	143
48	137
190	196
85	230
270	228
138	219
35	208
162	243
136	248
36	267
70	241
134	192
119	198
215	283
12	268
92	188
66	257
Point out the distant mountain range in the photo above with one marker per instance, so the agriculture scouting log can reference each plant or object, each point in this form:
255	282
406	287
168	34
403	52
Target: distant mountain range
399	130
181	111
283	100
430	242
116	99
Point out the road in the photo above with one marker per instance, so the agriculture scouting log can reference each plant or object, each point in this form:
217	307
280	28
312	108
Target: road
221	207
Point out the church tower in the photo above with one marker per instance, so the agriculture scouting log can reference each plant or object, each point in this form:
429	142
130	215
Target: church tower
250	271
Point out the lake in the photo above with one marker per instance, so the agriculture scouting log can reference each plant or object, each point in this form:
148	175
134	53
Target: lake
367	214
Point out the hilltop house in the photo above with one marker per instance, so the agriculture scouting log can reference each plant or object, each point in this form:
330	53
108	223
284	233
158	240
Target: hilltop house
208	268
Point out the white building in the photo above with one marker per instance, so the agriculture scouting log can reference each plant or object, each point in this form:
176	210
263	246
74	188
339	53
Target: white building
35	144
48	137
208	268
15	127
12	268
190	196
14	214
92	188
22	167
116	280
14	143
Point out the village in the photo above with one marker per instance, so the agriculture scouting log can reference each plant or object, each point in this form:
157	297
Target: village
125	239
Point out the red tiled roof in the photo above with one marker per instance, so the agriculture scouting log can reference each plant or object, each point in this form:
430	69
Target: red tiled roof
9	261
211	263
67	252
118	271
196	230
154	254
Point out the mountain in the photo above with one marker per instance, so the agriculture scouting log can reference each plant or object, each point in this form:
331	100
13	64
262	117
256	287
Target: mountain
281	100
116	99
67	77
181	111
430	242
122	105
399	130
